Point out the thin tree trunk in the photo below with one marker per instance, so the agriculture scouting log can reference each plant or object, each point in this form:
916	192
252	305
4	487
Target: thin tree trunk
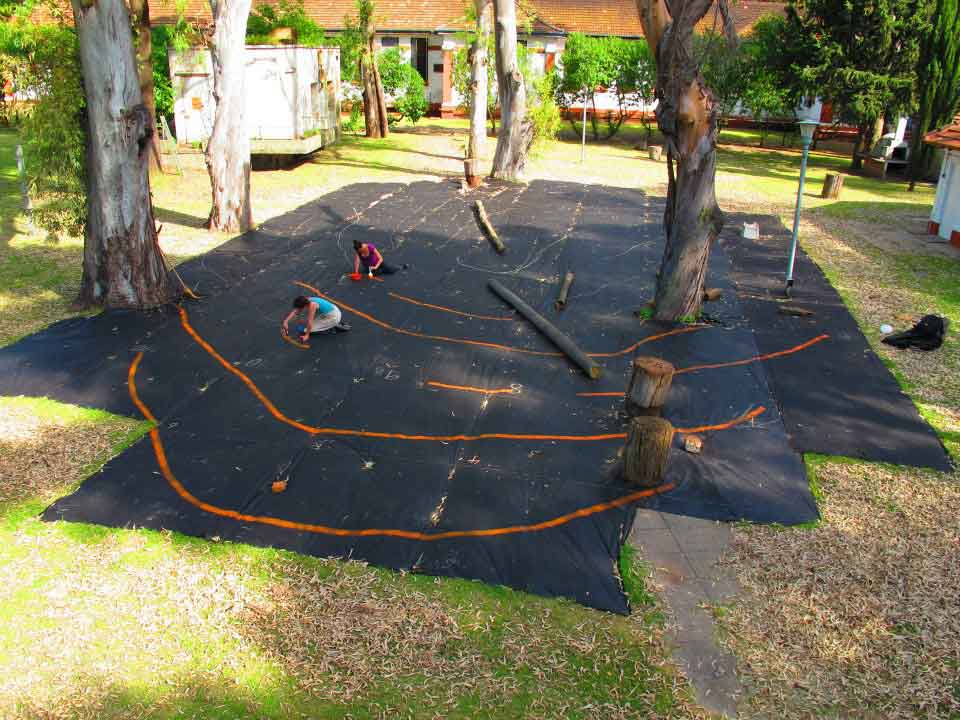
228	150
687	115
869	133
516	132
122	264
140	10
479	80
374	103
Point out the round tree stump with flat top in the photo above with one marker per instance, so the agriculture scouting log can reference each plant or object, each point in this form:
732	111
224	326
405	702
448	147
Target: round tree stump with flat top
832	185
649	385
645	455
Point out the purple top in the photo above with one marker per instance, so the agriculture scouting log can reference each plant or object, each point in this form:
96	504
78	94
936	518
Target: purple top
373	258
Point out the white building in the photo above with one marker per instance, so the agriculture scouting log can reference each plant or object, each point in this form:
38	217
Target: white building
945	217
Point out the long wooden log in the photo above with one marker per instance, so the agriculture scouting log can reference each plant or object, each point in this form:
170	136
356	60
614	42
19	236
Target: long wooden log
562	341
645	454
561	302
488	228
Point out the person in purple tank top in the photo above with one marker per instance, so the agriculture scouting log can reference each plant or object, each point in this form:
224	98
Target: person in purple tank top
370	258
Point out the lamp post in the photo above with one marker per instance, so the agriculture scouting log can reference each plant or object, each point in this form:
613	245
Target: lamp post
807	128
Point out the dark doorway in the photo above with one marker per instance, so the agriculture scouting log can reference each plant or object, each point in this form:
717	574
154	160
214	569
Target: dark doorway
418	56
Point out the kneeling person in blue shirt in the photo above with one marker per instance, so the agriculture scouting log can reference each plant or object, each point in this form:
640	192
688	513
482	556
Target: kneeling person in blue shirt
322	315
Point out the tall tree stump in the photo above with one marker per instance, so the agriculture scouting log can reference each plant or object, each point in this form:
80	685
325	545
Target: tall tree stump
645	455
649	386
832	185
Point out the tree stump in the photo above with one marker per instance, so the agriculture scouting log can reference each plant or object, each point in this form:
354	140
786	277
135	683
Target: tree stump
649	386
832	185
645	455
656	152
470	168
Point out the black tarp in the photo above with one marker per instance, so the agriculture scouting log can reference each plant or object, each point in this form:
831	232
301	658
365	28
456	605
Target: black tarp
226	448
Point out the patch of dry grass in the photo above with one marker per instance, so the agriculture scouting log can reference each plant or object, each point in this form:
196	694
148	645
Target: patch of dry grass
858	617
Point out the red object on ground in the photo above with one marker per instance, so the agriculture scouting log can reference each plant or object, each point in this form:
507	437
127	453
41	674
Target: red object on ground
356	276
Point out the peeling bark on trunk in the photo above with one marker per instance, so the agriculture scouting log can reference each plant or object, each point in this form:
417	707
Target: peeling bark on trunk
140	11
122	264
479	80
374	103
516	132
228	150
687	115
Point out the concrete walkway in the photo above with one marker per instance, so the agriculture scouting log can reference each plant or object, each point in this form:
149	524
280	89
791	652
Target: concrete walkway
682	552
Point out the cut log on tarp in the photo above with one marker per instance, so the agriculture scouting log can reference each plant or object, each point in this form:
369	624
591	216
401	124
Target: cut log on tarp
645	454
488	228
562	341
794	310
832	185
561	302
649	385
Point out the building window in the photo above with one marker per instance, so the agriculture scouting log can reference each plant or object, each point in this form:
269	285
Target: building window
389	42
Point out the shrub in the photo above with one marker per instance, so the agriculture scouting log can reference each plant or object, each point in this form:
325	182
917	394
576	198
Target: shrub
402	82
286	14
544	113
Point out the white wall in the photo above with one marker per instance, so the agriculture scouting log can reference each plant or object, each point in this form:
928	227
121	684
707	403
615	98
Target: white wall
946	206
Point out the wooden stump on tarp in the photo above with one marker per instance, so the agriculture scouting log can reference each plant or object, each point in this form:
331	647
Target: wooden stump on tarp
832	185
646	451
649	386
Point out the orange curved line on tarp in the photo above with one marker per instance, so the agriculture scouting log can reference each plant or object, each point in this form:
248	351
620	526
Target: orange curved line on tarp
734	363
495	346
163	463
302	346
185	322
441	308
468	388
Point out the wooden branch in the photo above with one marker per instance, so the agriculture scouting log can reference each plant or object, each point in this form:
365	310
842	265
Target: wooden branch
487	227
555	336
794	310
649	385
561	302
646	452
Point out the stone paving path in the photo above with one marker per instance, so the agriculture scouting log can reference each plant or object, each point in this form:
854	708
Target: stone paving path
682	552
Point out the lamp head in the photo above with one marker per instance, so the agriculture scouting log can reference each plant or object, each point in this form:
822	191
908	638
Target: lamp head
807	128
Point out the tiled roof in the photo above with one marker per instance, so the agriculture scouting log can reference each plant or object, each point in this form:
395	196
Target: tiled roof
948	137
601	17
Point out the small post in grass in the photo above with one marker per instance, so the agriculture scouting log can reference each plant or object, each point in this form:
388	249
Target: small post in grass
583	138
24	190
807	128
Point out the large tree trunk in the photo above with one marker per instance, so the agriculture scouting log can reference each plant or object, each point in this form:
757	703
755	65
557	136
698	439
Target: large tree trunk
687	115
374	103
869	133
122	264
516	132
478	79
140	10
228	150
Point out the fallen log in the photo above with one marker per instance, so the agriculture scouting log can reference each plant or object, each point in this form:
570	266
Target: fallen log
562	341
488	228
561	302
794	310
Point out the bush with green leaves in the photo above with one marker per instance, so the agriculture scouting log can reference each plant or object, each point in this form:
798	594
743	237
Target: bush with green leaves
43	62
543	111
403	83
625	67
264	19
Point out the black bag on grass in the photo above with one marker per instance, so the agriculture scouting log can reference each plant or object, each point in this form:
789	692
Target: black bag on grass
927	334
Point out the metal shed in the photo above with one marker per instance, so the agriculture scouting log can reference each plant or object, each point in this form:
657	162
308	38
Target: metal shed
292	97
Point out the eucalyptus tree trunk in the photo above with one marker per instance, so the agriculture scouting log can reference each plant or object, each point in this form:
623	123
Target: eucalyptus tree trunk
140	10
870	132
478	79
516	132
228	149
374	103
687	115
122	263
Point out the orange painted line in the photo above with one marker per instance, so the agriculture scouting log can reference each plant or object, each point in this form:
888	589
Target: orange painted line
164	465
601	394
724	426
495	346
441	308
467	388
272	409
757	358
293	342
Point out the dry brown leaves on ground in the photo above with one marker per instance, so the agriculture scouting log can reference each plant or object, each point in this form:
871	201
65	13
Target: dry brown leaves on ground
859	617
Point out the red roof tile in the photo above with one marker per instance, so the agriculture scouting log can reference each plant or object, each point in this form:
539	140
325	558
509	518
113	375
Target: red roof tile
603	17
948	137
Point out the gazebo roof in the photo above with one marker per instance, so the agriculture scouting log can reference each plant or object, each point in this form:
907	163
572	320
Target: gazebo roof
947	137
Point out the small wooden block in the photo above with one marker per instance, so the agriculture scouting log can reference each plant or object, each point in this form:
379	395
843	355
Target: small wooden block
279	486
712	294
794	310
693	444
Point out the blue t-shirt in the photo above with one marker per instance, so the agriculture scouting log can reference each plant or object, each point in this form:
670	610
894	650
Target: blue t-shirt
324	307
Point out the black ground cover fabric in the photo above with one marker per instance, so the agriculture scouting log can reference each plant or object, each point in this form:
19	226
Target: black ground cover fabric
225	446
837	398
